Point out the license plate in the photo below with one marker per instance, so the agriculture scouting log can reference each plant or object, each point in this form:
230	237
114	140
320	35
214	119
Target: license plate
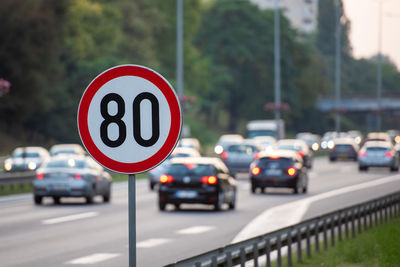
186	194
59	187
273	172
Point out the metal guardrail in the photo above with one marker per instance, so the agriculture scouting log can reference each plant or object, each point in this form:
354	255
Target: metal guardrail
13	179
339	225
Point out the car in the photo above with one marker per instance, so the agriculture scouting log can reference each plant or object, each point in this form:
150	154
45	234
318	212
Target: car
26	159
344	148
178	152
71	176
298	146
279	168
378	154
190	142
378	136
238	157
394	135
225	140
204	180
75	149
312	140
267	142
356	135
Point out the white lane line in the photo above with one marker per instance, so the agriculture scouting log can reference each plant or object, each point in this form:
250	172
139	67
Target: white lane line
195	230
291	213
69	218
94	258
153	242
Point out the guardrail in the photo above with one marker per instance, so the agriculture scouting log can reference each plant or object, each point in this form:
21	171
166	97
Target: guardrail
15	179
338	225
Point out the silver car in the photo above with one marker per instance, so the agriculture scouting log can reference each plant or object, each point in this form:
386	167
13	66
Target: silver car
71	176
26	159
238	157
378	154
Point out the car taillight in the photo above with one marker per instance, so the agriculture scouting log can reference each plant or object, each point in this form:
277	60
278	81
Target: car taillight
257	155
256	171
78	176
389	154
291	171
39	176
209	180
166	179
362	154
224	155
301	154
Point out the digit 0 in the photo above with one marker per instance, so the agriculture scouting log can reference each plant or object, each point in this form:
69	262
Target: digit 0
117	119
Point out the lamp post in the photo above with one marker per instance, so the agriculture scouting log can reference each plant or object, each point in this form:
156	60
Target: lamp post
179	49
338	64
277	66
379	74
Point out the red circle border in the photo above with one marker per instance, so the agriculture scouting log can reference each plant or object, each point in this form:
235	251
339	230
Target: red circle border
176	118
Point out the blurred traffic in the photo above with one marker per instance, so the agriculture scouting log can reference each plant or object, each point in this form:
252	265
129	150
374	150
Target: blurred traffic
194	174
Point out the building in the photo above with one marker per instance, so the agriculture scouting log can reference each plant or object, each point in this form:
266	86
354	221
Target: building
302	14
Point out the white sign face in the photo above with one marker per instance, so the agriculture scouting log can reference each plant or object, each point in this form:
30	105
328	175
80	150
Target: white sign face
129	119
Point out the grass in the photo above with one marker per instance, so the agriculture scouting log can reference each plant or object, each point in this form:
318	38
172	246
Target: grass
27	188
379	246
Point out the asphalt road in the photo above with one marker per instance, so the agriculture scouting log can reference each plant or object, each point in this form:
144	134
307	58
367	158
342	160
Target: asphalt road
74	233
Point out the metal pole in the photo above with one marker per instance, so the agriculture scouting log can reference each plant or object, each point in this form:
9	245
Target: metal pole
337	64
277	67
379	78
132	219
179	48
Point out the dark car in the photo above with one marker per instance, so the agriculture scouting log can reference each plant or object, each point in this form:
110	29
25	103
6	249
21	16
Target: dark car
71	176
344	148
280	168
238	157
298	146
197	180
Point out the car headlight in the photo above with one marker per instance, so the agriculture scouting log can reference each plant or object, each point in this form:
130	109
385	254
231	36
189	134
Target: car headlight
7	166
331	144
315	146
218	149
32	165
397	139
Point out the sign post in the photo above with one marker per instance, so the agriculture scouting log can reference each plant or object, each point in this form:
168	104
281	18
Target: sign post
129	120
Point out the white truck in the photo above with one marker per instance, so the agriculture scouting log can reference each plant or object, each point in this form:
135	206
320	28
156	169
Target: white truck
266	128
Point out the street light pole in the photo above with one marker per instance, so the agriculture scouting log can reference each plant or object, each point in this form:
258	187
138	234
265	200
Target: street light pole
379	74
179	48
338	64
277	67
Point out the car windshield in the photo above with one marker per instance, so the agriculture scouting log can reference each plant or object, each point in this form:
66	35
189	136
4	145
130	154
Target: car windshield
26	155
190	169
377	149
343	147
65	151
66	163
254	133
245	149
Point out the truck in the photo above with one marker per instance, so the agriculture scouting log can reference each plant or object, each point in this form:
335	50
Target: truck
266	128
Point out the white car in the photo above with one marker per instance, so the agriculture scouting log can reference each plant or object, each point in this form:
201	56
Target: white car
26	159
74	149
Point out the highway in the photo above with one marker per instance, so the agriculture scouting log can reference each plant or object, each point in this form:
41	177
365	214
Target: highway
74	233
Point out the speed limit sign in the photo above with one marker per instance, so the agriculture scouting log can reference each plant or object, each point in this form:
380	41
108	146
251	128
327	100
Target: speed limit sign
129	119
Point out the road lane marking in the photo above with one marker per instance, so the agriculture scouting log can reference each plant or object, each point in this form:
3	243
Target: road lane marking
291	213
94	258
153	242
69	218
195	230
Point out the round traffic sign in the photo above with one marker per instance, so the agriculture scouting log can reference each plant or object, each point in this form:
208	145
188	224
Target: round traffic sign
129	119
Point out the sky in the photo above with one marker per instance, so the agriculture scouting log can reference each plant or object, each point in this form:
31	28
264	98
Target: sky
364	33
